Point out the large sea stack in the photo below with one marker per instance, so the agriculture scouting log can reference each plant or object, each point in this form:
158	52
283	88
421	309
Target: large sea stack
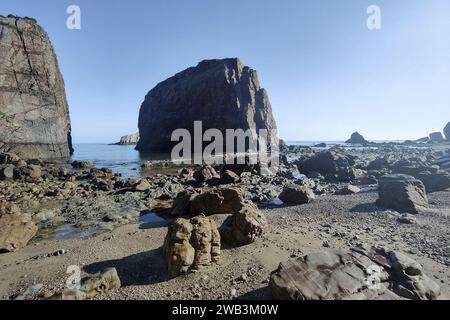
223	94
447	131
34	116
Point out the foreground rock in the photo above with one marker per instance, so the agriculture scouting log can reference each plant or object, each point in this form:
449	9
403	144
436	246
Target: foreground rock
34	116
295	195
335	275
402	193
202	93
356	138
244	227
191	244
16	228
93	286
131	139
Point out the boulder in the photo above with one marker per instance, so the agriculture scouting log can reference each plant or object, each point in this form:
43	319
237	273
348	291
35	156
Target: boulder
92	286
402	193
204	174
6	172
217	201
354	275
34	115
349	189
243	227
223	94
82	164
447	131
228	177
181	204
294	195
436	137
16	228
131	139
191	244
356	138
433	182
142	185
329	162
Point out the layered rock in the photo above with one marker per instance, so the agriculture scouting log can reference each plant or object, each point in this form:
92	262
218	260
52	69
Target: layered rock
356	138
362	275
223	94
16	228
34	115
131	139
402	193
191	244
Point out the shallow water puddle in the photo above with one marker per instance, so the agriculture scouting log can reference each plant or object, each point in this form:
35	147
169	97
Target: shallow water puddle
70	231
152	220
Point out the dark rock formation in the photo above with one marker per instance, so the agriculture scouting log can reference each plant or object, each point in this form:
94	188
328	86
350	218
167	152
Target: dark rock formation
131	139
34	116
447	131
356	138
295	195
402	193
223	94
436	137
330	163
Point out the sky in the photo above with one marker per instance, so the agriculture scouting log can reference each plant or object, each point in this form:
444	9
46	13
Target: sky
326	73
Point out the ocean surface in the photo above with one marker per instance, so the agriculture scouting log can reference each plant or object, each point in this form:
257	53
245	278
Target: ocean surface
127	161
121	159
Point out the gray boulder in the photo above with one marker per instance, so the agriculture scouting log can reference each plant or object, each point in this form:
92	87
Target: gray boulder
436	137
402	193
34	115
296	195
329	163
223	94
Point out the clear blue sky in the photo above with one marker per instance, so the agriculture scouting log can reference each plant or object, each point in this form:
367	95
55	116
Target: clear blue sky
327	75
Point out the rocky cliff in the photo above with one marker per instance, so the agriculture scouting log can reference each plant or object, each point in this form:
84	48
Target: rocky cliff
34	116
130	139
447	131
223	94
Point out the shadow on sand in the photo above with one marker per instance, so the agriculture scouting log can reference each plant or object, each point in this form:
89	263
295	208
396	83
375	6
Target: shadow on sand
138	269
370	207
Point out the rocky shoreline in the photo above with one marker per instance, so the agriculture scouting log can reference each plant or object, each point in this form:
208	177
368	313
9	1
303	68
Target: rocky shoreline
331	190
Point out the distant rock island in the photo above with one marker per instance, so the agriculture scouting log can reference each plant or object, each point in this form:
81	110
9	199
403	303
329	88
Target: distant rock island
131	139
34	115
356	138
223	94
